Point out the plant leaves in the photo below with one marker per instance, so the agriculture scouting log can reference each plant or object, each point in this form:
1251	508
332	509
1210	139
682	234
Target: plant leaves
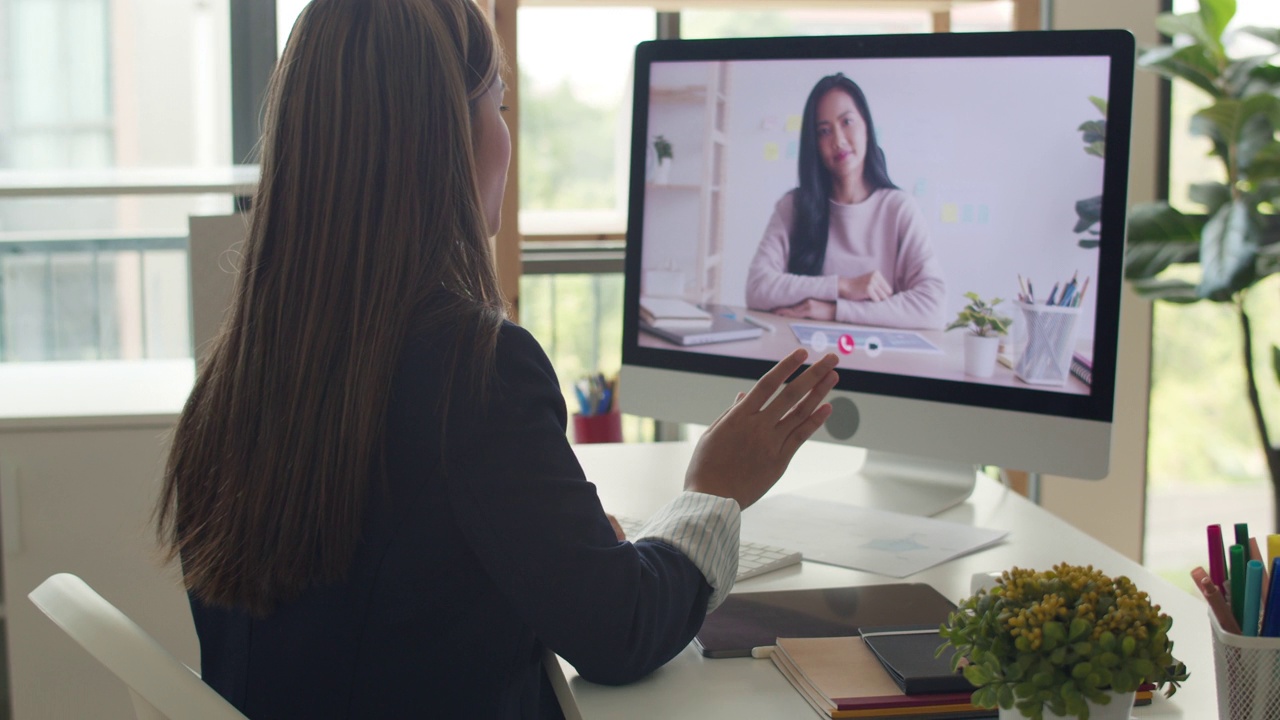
1224	121
1100	103
1228	247
1148	260
1161	222
1264	164
1088	212
1094	130
1240	73
1174	291
1212	195
1214	16
1192	25
1268	76
1257	134
1188	63
1275	361
1270	34
1160	236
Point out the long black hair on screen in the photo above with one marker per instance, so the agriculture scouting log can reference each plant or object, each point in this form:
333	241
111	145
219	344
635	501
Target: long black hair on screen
812	214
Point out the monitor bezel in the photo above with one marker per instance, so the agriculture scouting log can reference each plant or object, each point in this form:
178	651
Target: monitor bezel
1116	45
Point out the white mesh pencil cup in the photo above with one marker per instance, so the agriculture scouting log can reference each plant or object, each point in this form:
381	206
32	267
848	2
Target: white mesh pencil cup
1050	332
1248	674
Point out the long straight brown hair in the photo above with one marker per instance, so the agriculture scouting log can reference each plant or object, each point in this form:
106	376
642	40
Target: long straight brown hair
367	224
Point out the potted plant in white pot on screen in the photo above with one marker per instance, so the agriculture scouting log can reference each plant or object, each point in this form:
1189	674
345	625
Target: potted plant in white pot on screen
982	342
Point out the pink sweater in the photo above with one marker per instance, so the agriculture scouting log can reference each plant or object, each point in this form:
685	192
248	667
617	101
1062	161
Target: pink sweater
885	232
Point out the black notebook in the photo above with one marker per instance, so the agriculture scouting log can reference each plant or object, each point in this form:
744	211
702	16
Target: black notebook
910	655
750	620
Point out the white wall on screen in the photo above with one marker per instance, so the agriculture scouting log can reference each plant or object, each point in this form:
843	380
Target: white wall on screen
996	139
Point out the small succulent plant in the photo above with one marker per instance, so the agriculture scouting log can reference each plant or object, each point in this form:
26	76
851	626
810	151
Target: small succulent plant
981	318
1052	639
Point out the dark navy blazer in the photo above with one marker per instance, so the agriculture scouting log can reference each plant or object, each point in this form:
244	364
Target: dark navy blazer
464	577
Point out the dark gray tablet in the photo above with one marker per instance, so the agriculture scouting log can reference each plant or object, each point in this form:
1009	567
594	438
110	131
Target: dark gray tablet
750	620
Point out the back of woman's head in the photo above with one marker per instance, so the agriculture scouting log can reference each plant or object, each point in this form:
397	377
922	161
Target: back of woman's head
367	140
367	224
812	215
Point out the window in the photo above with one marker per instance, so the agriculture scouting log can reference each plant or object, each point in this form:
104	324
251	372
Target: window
94	85
1205	463
575	116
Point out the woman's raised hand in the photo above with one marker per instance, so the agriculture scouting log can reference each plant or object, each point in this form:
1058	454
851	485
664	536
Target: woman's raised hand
871	286
744	452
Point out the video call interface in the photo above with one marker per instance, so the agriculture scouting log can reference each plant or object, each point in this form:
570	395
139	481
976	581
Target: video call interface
949	181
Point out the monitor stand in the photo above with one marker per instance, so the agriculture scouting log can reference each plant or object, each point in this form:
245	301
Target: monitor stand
906	484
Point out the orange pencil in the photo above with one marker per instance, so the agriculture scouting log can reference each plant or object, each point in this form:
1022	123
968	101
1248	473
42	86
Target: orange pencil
1217	603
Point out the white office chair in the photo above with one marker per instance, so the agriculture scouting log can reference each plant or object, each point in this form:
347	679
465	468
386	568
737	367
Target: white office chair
159	684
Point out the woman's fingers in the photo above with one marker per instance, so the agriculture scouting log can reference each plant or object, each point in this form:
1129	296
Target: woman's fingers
745	452
806	416
799	388
766	386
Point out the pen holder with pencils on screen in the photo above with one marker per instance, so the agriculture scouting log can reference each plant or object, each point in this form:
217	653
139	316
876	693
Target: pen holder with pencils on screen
1050	332
598	419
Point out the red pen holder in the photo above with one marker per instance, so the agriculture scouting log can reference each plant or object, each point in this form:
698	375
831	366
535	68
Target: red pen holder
602	428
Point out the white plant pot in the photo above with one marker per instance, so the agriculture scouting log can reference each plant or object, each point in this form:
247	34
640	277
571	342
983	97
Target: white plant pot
662	172
980	355
1119	708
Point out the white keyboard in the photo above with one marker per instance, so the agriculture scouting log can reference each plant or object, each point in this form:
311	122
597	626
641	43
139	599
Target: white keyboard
753	558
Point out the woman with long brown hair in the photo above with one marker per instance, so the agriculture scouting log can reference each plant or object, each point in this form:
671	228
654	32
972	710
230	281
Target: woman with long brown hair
370	490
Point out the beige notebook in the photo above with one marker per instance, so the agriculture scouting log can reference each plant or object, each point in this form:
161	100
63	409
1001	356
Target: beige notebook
836	668
842	678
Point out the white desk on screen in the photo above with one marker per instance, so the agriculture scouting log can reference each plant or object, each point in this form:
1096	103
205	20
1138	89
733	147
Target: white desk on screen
637	479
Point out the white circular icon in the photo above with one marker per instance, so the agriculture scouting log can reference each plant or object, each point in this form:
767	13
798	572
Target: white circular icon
819	341
873	346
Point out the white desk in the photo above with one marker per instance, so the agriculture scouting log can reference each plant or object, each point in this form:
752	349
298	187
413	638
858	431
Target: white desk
637	479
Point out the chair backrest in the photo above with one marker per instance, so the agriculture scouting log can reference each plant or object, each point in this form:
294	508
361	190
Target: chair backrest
213	259
160	685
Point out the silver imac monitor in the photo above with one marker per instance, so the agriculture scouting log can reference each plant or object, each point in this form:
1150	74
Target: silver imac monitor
859	195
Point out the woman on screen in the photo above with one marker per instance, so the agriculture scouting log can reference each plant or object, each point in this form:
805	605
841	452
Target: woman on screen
370	488
846	245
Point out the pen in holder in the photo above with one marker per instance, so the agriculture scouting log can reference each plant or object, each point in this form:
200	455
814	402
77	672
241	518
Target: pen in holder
599	420
603	428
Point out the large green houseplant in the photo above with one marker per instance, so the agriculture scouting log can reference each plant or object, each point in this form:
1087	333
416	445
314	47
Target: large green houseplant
1236	242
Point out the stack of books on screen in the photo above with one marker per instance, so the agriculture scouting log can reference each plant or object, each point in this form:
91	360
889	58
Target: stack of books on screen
673	314
1082	368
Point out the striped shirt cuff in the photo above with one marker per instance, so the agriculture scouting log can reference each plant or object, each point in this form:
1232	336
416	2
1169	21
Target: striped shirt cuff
705	528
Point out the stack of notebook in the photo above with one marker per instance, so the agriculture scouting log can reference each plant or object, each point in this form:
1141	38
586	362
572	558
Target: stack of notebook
842	678
882	674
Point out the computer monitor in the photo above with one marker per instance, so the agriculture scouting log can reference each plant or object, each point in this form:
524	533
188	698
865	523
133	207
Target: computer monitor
854	194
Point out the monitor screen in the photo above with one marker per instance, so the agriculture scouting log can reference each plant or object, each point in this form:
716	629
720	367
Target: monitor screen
884	198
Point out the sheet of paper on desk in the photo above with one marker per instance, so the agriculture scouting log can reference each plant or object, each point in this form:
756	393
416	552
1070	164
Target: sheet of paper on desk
876	541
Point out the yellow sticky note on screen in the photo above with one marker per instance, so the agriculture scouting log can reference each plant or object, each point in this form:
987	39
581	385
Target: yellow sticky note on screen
793	123
950	212
771	151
